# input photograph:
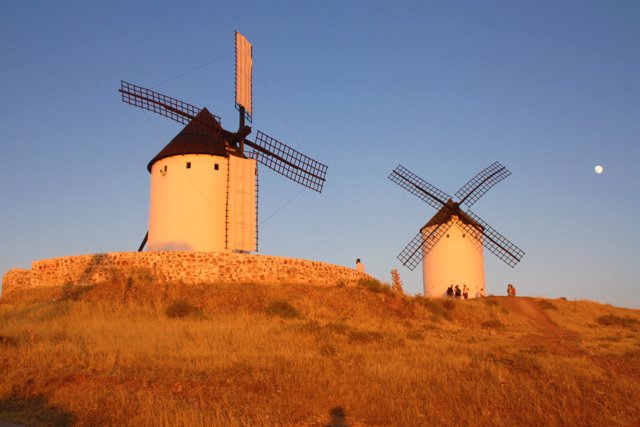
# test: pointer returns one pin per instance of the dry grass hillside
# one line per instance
(143, 354)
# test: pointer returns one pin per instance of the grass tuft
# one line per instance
(491, 301)
(281, 308)
(182, 308)
(439, 308)
(376, 286)
(492, 324)
(71, 292)
(612, 320)
(546, 304)
(8, 341)
(415, 335)
(364, 336)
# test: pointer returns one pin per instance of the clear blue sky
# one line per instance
(548, 88)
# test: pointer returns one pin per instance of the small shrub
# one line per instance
(440, 309)
(328, 350)
(546, 305)
(364, 336)
(338, 328)
(312, 327)
(67, 291)
(415, 335)
(375, 286)
(71, 292)
(142, 276)
(54, 310)
(491, 301)
(282, 309)
(435, 319)
(182, 308)
(448, 304)
(611, 320)
(8, 341)
(492, 324)
(526, 362)
(397, 282)
(633, 355)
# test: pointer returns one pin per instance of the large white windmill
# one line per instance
(450, 243)
(204, 188)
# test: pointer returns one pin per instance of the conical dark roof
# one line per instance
(444, 215)
(200, 136)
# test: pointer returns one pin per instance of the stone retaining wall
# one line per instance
(181, 267)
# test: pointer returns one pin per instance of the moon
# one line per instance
(599, 169)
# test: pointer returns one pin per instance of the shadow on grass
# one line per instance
(33, 411)
(338, 417)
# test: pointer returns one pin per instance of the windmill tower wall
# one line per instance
(456, 259)
(201, 202)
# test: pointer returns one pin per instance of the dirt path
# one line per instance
(549, 335)
(558, 340)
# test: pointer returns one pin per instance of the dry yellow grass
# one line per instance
(168, 355)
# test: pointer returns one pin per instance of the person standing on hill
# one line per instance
(458, 292)
(465, 292)
(359, 266)
(450, 291)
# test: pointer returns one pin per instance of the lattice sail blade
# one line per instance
(289, 162)
(475, 234)
(481, 183)
(158, 103)
(412, 254)
(433, 235)
(497, 243)
(418, 187)
(421, 244)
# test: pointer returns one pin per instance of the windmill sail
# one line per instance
(244, 70)
(422, 242)
(158, 103)
(272, 153)
(289, 162)
(413, 253)
(481, 183)
(418, 187)
(497, 243)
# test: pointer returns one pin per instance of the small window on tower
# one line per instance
(188, 165)
(216, 166)
(463, 235)
(447, 236)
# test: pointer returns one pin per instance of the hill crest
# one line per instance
(291, 354)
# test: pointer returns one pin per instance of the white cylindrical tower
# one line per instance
(203, 194)
(455, 259)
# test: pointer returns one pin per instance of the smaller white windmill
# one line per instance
(451, 242)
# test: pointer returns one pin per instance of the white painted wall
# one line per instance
(187, 207)
(242, 204)
(456, 259)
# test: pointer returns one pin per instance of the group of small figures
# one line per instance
(511, 290)
(456, 292)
